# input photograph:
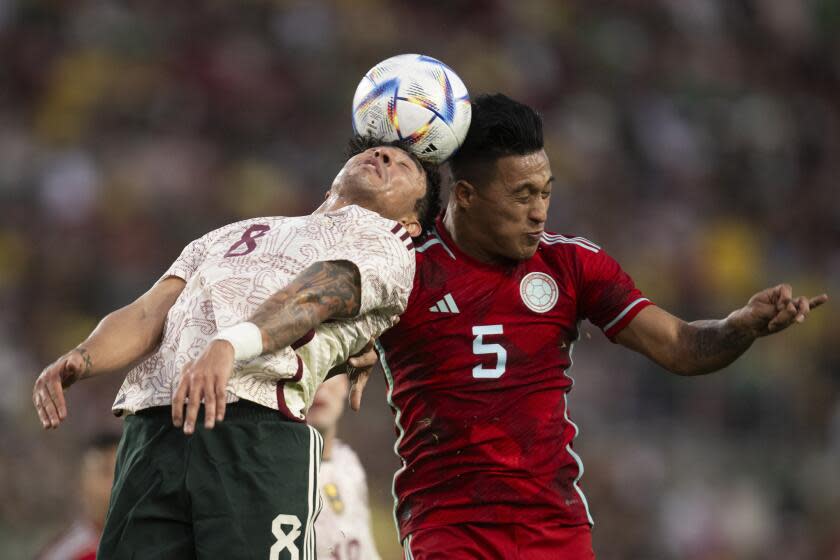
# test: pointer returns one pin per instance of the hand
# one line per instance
(359, 367)
(775, 309)
(48, 393)
(206, 378)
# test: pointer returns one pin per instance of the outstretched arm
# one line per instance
(705, 346)
(121, 339)
(323, 291)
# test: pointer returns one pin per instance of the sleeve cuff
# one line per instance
(623, 319)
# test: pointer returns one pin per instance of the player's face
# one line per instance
(328, 404)
(508, 213)
(386, 180)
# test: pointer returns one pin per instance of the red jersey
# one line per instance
(476, 372)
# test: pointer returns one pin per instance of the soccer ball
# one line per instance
(417, 99)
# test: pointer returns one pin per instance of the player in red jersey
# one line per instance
(476, 368)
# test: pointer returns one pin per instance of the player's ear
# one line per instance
(464, 193)
(412, 226)
(327, 194)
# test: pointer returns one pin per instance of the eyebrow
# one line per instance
(529, 184)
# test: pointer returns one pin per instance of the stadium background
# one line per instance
(697, 141)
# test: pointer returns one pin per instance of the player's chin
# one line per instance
(529, 246)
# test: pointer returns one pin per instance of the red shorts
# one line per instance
(481, 541)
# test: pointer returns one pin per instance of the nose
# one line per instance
(538, 211)
(382, 153)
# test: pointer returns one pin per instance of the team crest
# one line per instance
(539, 291)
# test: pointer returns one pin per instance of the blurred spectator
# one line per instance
(697, 141)
(80, 540)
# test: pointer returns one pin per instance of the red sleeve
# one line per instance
(608, 296)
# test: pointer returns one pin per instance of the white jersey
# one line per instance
(78, 542)
(231, 271)
(342, 530)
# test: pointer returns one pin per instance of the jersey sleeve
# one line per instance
(385, 259)
(608, 296)
(189, 260)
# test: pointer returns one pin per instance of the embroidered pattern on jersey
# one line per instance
(231, 271)
(538, 291)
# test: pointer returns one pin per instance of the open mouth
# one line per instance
(374, 163)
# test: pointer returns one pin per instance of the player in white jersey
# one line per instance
(243, 327)
(343, 527)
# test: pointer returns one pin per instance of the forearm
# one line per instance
(709, 345)
(130, 333)
(323, 291)
(121, 339)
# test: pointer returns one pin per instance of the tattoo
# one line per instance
(325, 290)
(716, 344)
(88, 361)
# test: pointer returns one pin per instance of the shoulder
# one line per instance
(240, 227)
(366, 224)
(355, 215)
(432, 246)
(557, 243)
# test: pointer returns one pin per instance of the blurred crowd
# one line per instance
(698, 141)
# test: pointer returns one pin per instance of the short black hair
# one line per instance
(427, 207)
(499, 127)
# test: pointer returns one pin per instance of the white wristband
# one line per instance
(245, 338)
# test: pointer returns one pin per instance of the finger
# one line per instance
(803, 306)
(196, 392)
(366, 360)
(782, 320)
(818, 300)
(210, 406)
(783, 295)
(179, 396)
(42, 414)
(368, 356)
(57, 395)
(50, 409)
(356, 390)
(221, 402)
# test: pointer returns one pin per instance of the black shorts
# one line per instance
(248, 488)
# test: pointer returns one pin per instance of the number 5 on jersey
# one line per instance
(479, 347)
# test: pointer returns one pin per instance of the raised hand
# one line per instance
(775, 309)
(48, 392)
(359, 367)
(204, 379)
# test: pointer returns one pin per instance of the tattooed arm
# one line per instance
(323, 291)
(120, 340)
(706, 346)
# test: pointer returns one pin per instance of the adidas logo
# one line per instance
(445, 305)
(429, 149)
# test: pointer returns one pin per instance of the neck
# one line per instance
(334, 202)
(466, 237)
(329, 437)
